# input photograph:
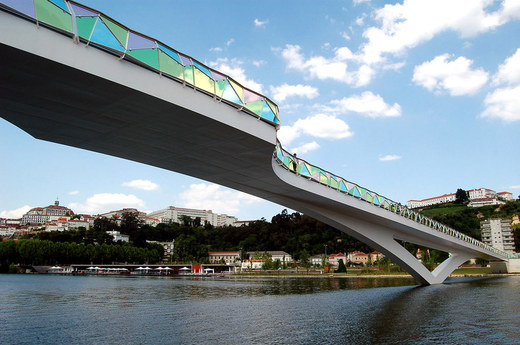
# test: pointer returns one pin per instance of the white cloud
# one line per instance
(216, 49)
(319, 126)
(304, 148)
(389, 158)
(280, 93)
(335, 68)
(345, 36)
(412, 22)
(509, 71)
(515, 187)
(260, 23)
(15, 214)
(367, 104)
(356, 2)
(105, 202)
(230, 42)
(74, 192)
(216, 198)
(141, 184)
(503, 103)
(455, 76)
(259, 63)
(233, 69)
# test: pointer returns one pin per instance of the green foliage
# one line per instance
(44, 252)
(341, 267)
(461, 196)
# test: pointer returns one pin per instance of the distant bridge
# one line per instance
(74, 76)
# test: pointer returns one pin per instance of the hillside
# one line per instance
(466, 219)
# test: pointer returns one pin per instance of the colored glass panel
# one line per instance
(170, 66)
(239, 90)
(250, 96)
(376, 200)
(333, 183)
(22, 6)
(342, 186)
(217, 76)
(117, 30)
(268, 114)
(51, 14)
(170, 52)
(80, 11)
(256, 107)
(61, 4)
(149, 57)
(202, 68)
(273, 107)
(85, 26)
(302, 170)
(355, 192)
(220, 87)
(185, 60)
(103, 36)
(230, 94)
(324, 179)
(188, 74)
(136, 41)
(202, 81)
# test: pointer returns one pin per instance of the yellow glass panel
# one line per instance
(202, 81)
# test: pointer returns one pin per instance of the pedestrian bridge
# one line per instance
(74, 76)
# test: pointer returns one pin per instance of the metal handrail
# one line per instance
(94, 28)
(314, 173)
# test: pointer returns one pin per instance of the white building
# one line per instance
(41, 215)
(498, 234)
(230, 258)
(275, 255)
(479, 197)
(175, 214)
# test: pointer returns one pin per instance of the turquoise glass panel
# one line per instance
(342, 186)
(230, 95)
(103, 36)
(61, 4)
(203, 68)
(170, 52)
(268, 114)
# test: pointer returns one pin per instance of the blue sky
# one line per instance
(410, 99)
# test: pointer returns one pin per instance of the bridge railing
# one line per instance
(313, 173)
(91, 27)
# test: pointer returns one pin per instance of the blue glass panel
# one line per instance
(342, 186)
(23, 6)
(82, 12)
(267, 113)
(170, 52)
(230, 95)
(103, 36)
(61, 4)
(304, 171)
(203, 68)
(136, 41)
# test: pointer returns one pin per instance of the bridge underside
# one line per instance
(83, 97)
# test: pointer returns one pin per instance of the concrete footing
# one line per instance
(510, 266)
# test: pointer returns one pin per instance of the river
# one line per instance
(52, 309)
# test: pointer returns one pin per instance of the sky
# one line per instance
(411, 99)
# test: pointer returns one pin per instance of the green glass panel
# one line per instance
(314, 170)
(220, 87)
(170, 66)
(85, 26)
(188, 74)
(147, 56)
(202, 81)
(370, 198)
(117, 30)
(238, 89)
(256, 107)
(333, 183)
(51, 14)
(324, 179)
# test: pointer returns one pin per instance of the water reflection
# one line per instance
(86, 310)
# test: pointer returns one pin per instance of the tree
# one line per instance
(461, 196)
(304, 260)
(341, 267)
